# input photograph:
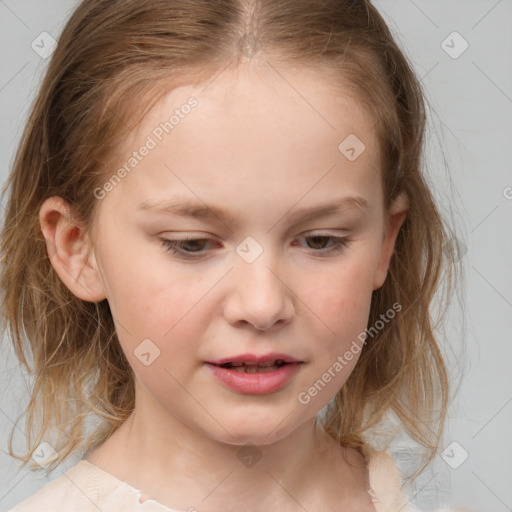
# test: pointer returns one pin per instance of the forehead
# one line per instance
(265, 89)
(258, 128)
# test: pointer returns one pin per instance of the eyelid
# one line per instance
(306, 234)
(340, 243)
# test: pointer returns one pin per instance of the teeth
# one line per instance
(255, 368)
(269, 363)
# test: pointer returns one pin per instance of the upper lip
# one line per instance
(255, 359)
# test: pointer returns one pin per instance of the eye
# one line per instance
(194, 247)
(338, 244)
(176, 245)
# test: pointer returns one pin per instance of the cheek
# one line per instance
(160, 331)
(165, 310)
(340, 297)
(147, 288)
(341, 303)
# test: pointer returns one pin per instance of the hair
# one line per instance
(114, 61)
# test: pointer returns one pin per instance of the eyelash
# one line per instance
(172, 245)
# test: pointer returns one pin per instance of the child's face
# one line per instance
(261, 146)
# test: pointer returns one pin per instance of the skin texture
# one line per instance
(258, 148)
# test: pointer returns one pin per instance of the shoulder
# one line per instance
(80, 488)
(87, 488)
(62, 491)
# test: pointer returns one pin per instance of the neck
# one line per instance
(181, 468)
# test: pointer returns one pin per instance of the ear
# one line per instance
(69, 250)
(397, 214)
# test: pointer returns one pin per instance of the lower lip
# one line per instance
(255, 383)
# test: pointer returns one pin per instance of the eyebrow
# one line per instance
(188, 208)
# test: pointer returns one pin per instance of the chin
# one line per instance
(254, 430)
(256, 438)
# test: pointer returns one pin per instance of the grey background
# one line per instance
(469, 154)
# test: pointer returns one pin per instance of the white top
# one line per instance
(86, 487)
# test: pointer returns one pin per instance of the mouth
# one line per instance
(253, 375)
(252, 363)
(267, 366)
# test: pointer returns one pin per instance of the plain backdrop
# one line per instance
(462, 50)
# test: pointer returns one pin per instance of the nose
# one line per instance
(258, 296)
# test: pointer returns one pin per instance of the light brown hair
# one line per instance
(115, 59)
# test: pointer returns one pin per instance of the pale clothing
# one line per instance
(86, 487)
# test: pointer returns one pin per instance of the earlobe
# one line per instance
(397, 215)
(69, 250)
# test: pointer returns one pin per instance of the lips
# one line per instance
(251, 374)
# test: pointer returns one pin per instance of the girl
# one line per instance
(229, 256)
